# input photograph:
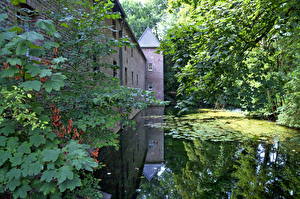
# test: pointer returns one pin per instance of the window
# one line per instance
(126, 80)
(137, 79)
(96, 68)
(114, 26)
(150, 87)
(150, 67)
(114, 69)
(26, 17)
(132, 78)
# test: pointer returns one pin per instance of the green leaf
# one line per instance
(2, 140)
(31, 166)
(48, 188)
(31, 169)
(36, 168)
(22, 191)
(16, 159)
(6, 36)
(11, 185)
(14, 61)
(59, 60)
(36, 52)
(16, 29)
(57, 195)
(32, 85)
(70, 184)
(46, 25)
(4, 156)
(22, 48)
(33, 69)
(38, 195)
(25, 148)
(37, 140)
(32, 36)
(50, 155)
(65, 173)
(17, 2)
(45, 73)
(10, 72)
(12, 143)
(64, 25)
(55, 83)
(8, 128)
(5, 51)
(13, 174)
(3, 178)
(50, 45)
(49, 175)
(3, 17)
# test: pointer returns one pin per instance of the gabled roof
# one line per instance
(149, 40)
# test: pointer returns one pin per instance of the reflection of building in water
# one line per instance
(121, 175)
(155, 137)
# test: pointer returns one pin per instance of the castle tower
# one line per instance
(155, 63)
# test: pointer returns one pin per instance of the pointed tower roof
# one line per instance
(150, 170)
(149, 40)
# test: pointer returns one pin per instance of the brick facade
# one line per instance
(155, 66)
(131, 60)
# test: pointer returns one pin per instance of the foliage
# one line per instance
(142, 15)
(41, 163)
(290, 112)
(234, 53)
(58, 106)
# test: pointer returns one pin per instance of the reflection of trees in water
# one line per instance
(161, 187)
(267, 171)
(207, 173)
(236, 170)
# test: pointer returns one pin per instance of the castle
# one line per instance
(139, 66)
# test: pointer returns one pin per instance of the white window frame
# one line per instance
(150, 87)
(150, 66)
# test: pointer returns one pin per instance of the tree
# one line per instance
(57, 107)
(142, 15)
(232, 53)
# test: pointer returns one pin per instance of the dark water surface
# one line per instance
(209, 155)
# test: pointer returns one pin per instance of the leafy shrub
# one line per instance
(290, 111)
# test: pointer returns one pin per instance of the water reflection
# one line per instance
(155, 137)
(141, 152)
(204, 169)
(196, 167)
(214, 157)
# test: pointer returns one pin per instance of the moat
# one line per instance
(209, 154)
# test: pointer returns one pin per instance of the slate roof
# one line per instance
(149, 40)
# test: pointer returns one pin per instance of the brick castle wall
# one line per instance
(155, 77)
(134, 62)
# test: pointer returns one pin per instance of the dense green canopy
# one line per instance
(242, 53)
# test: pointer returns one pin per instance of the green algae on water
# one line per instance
(222, 125)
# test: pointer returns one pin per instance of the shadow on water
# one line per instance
(150, 165)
